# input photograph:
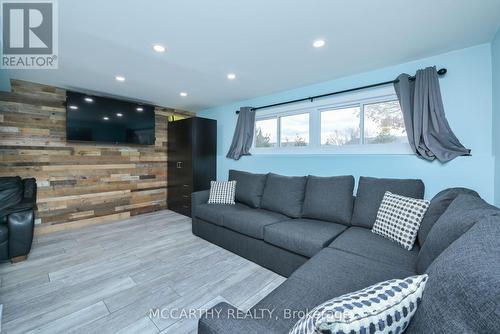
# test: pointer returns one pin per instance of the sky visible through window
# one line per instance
(340, 126)
(382, 123)
(295, 130)
(266, 132)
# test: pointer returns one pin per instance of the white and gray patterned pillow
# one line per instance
(385, 307)
(399, 218)
(222, 192)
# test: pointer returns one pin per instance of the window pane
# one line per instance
(294, 130)
(340, 126)
(384, 123)
(265, 132)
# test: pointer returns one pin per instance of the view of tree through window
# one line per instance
(384, 123)
(354, 125)
(340, 126)
(294, 130)
(266, 132)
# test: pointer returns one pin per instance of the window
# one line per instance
(360, 123)
(384, 123)
(266, 133)
(294, 130)
(340, 126)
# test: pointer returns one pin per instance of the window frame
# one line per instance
(314, 109)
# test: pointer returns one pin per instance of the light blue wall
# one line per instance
(467, 95)
(496, 112)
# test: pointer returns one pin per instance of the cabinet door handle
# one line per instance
(179, 164)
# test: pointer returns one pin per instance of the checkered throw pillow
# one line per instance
(222, 192)
(399, 218)
(384, 308)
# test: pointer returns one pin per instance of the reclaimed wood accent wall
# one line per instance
(79, 184)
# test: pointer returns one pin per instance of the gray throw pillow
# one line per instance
(371, 192)
(249, 187)
(438, 206)
(284, 194)
(461, 215)
(329, 198)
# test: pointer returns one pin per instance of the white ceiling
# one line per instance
(267, 43)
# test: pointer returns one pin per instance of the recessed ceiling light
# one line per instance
(89, 99)
(139, 109)
(105, 118)
(73, 107)
(120, 78)
(183, 94)
(119, 114)
(231, 76)
(159, 48)
(319, 43)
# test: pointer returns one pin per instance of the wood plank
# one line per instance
(44, 229)
(78, 180)
(107, 278)
(73, 320)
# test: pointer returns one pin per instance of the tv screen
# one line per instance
(106, 120)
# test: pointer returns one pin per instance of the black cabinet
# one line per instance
(192, 150)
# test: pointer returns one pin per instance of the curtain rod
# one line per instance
(441, 72)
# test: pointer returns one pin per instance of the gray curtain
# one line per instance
(243, 134)
(429, 133)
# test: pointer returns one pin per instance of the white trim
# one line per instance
(379, 149)
(314, 109)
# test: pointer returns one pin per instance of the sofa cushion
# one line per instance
(329, 198)
(302, 236)
(225, 318)
(284, 194)
(399, 218)
(387, 306)
(460, 216)
(214, 213)
(437, 207)
(251, 222)
(361, 241)
(337, 272)
(330, 273)
(222, 192)
(462, 294)
(371, 191)
(293, 295)
(249, 187)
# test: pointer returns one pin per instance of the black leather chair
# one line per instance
(17, 218)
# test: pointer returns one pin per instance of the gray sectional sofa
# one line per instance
(313, 231)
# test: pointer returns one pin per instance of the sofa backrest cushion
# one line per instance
(11, 192)
(284, 194)
(461, 215)
(438, 206)
(371, 192)
(329, 198)
(462, 293)
(249, 187)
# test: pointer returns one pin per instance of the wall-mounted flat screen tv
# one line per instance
(106, 120)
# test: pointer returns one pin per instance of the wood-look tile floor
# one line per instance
(107, 278)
